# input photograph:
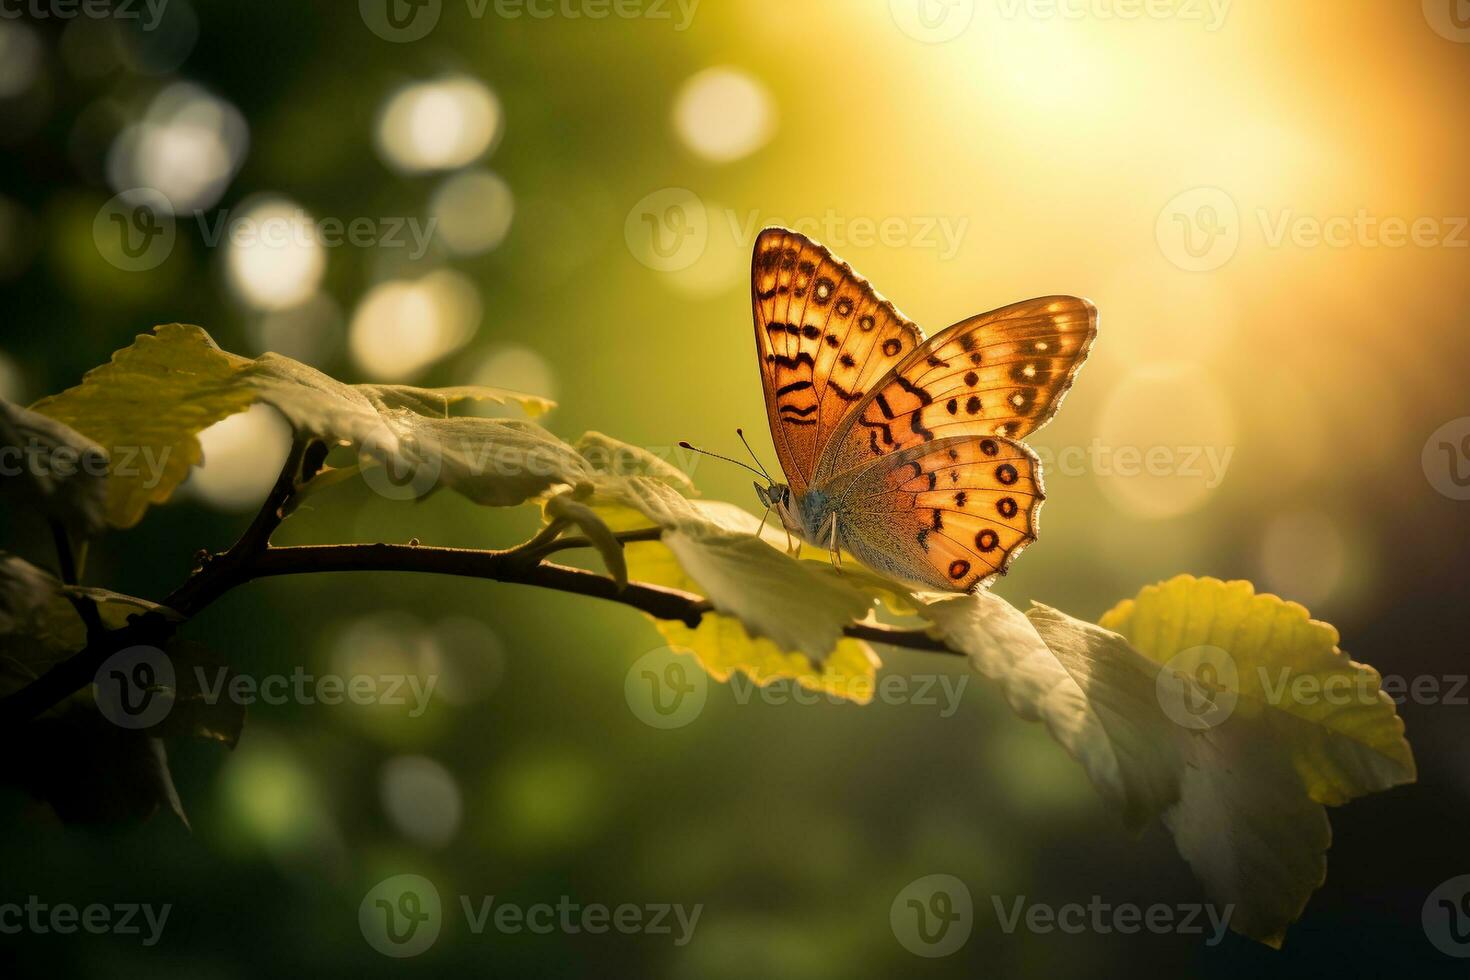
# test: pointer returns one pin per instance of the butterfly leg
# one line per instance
(764, 518)
(832, 549)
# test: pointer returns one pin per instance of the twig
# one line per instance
(626, 537)
(218, 574)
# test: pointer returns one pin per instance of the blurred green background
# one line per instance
(585, 190)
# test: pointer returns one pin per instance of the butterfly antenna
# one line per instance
(741, 434)
(706, 452)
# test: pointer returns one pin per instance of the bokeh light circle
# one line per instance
(274, 257)
(723, 114)
(472, 211)
(438, 125)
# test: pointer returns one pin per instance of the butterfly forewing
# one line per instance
(824, 338)
(1001, 373)
(949, 514)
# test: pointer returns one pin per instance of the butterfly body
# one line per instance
(803, 515)
(899, 450)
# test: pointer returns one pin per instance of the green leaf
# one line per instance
(436, 401)
(718, 556)
(1003, 645)
(87, 768)
(611, 457)
(58, 472)
(24, 589)
(565, 507)
(799, 605)
(320, 405)
(145, 408)
(91, 771)
(53, 631)
(148, 405)
(1238, 774)
(1352, 742)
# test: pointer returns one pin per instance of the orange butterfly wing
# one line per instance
(824, 338)
(946, 515)
(1001, 373)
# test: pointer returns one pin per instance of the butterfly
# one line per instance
(903, 451)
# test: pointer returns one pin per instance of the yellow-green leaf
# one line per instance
(613, 457)
(1353, 742)
(721, 643)
(148, 405)
(145, 408)
(1187, 714)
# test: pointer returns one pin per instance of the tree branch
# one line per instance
(215, 576)
(252, 557)
(505, 566)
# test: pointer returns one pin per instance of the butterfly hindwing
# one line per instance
(1001, 373)
(947, 515)
(824, 338)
